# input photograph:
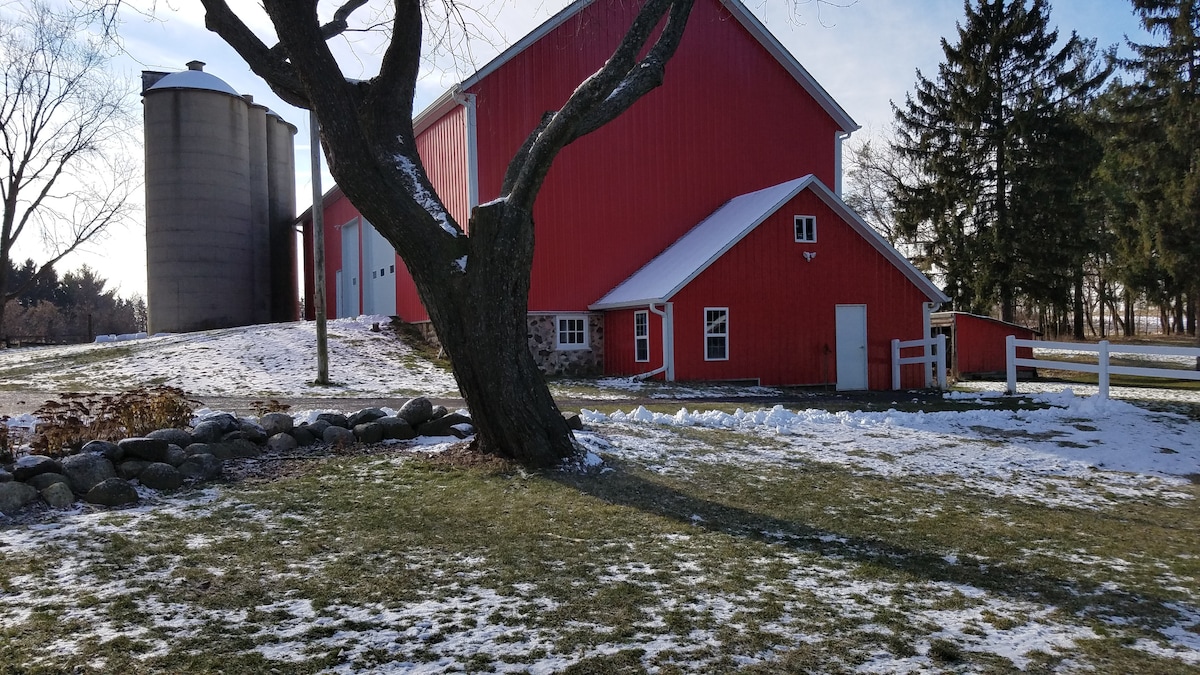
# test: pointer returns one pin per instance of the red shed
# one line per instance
(975, 344)
(736, 114)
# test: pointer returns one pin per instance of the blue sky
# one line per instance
(865, 53)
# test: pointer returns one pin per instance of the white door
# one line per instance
(349, 296)
(379, 273)
(851, 326)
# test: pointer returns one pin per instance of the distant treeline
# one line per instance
(73, 308)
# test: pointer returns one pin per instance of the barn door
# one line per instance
(851, 326)
(379, 273)
(348, 298)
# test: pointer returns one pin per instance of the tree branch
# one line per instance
(268, 63)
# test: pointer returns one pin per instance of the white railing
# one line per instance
(1102, 367)
(936, 358)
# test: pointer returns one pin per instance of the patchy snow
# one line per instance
(269, 360)
(424, 197)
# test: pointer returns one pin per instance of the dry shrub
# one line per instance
(65, 425)
(261, 408)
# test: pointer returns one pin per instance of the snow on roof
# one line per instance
(682, 261)
(744, 16)
(692, 253)
(194, 79)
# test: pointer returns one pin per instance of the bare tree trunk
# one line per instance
(1130, 328)
(1077, 307)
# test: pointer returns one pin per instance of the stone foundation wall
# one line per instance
(543, 339)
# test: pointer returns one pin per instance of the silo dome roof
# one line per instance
(194, 79)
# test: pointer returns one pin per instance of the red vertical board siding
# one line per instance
(619, 351)
(728, 120)
(782, 308)
(338, 213)
(443, 150)
(980, 344)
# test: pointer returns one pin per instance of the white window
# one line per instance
(641, 336)
(572, 331)
(806, 228)
(716, 333)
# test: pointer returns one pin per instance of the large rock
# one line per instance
(112, 492)
(281, 442)
(106, 448)
(5, 476)
(149, 449)
(44, 480)
(15, 496)
(161, 476)
(201, 467)
(371, 432)
(31, 465)
(445, 426)
(574, 421)
(303, 435)
(317, 428)
(276, 423)
(180, 437)
(415, 411)
(253, 431)
(208, 431)
(438, 411)
(225, 421)
(365, 416)
(234, 449)
(396, 428)
(131, 468)
(334, 419)
(58, 495)
(86, 471)
(338, 436)
(175, 455)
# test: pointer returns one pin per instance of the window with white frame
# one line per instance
(572, 331)
(641, 336)
(806, 228)
(716, 333)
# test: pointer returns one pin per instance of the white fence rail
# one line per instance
(935, 358)
(1102, 367)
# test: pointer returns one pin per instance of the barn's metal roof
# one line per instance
(691, 254)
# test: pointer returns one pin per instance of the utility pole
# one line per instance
(318, 217)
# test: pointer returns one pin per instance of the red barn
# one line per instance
(975, 344)
(670, 183)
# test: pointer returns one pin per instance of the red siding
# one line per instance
(728, 120)
(979, 344)
(619, 344)
(443, 150)
(781, 308)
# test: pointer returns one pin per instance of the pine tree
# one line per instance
(1160, 163)
(990, 137)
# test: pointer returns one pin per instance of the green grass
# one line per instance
(805, 567)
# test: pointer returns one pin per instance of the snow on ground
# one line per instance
(1037, 455)
(268, 360)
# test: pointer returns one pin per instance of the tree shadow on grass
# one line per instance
(629, 487)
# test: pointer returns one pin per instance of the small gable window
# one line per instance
(806, 228)
(641, 336)
(572, 331)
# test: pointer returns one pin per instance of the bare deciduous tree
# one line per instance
(475, 288)
(62, 119)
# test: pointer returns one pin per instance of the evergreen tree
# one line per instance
(992, 137)
(1160, 158)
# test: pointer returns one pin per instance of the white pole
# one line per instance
(318, 217)
(1103, 375)
(1010, 359)
(895, 364)
(941, 361)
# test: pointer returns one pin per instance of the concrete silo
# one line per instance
(208, 204)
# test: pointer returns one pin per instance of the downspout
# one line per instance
(838, 138)
(668, 365)
(471, 129)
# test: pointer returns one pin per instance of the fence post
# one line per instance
(941, 361)
(895, 364)
(1010, 359)
(1103, 375)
